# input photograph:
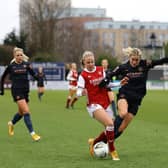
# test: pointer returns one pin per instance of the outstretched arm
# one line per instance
(109, 75)
(3, 79)
(120, 83)
(153, 63)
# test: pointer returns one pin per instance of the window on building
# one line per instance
(110, 26)
(112, 39)
(132, 27)
(125, 40)
(123, 26)
(142, 27)
(151, 27)
(105, 35)
(161, 39)
(125, 44)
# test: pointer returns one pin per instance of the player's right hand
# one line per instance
(124, 81)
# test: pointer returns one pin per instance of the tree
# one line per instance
(6, 54)
(112, 61)
(15, 40)
(39, 21)
(71, 39)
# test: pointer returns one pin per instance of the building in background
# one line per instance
(115, 35)
(88, 12)
(60, 27)
(105, 33)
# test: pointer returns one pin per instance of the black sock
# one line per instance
(16, 118)
(28, 122)
(117, 124)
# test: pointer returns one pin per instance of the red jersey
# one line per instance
(96, 95)
(72, 77)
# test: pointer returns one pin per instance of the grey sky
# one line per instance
(143, 10)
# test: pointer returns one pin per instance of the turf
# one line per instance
(65, 132)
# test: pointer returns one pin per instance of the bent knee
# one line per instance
(123, 113)
(122, 107)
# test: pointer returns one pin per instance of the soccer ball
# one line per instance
(101, 150)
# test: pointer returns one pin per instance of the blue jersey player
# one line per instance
(18, 71)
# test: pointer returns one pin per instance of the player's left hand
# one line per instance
(104, 82)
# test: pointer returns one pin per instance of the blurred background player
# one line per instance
(72, 77)
(105, 65)
(131, 95)
(18, 69)
(40, 83)
(98, 103)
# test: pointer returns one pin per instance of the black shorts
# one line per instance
(19, 94)
(133, 104)
(40, 84)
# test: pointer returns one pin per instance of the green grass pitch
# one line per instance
(64, 134)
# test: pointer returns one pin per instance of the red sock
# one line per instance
(110, 137)
(67, 102)
(101, 137)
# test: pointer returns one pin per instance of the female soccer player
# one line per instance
(98, 105)
(18, 70)
(40, 83)
(111, 94)
(130, 95)
(72, 77)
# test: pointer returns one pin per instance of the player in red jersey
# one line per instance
(98, 103)
(72, 77)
